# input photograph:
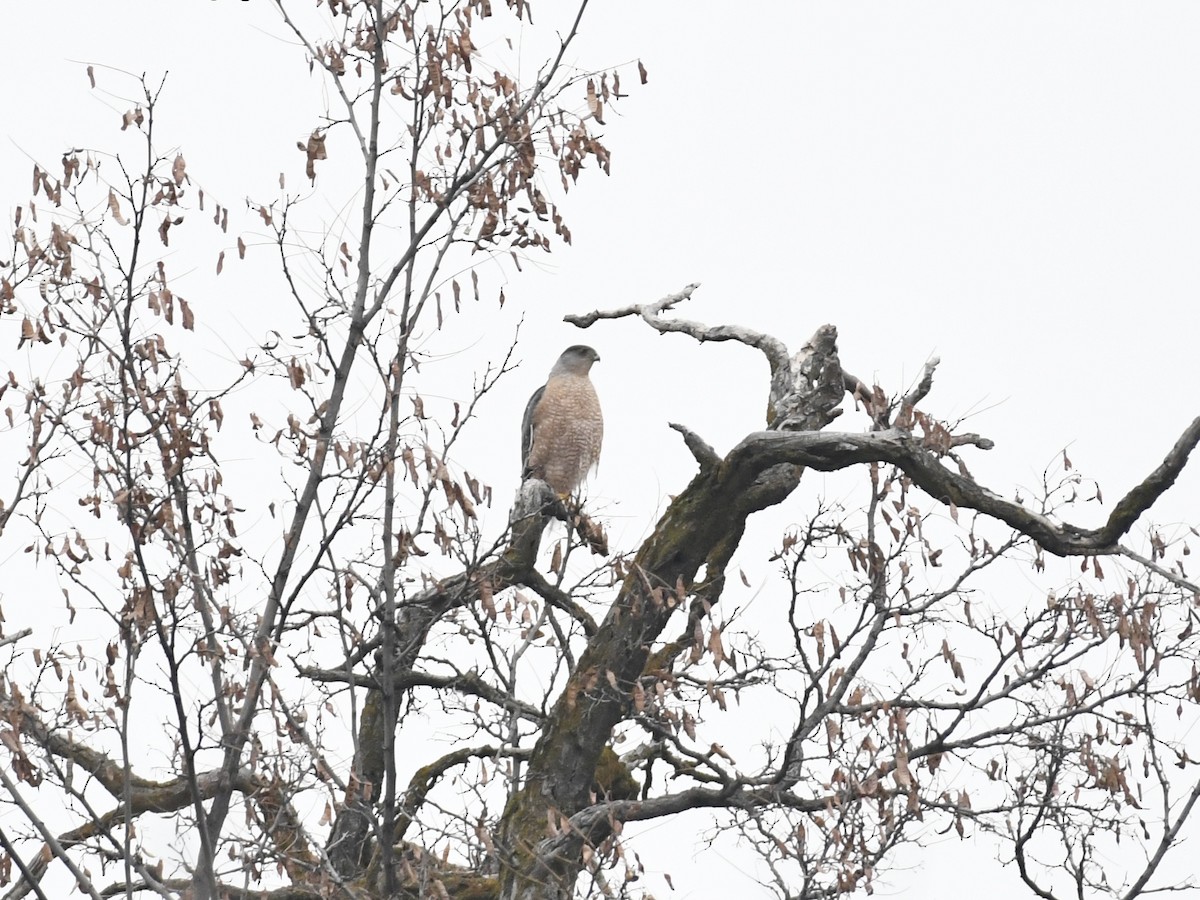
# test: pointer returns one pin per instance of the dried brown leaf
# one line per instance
(715, 647)
(115, 208)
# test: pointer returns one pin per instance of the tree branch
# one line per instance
(829, 451)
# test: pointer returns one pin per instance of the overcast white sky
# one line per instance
(1012, 186)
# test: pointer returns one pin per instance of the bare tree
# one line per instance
(408, 703)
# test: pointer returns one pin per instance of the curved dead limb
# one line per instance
(830, 451)
(424, 779)
(652, 314)
(801, 384)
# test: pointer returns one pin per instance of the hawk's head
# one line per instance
(575, 360)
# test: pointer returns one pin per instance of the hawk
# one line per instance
(563, 427)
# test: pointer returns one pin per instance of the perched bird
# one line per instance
(563, 426)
